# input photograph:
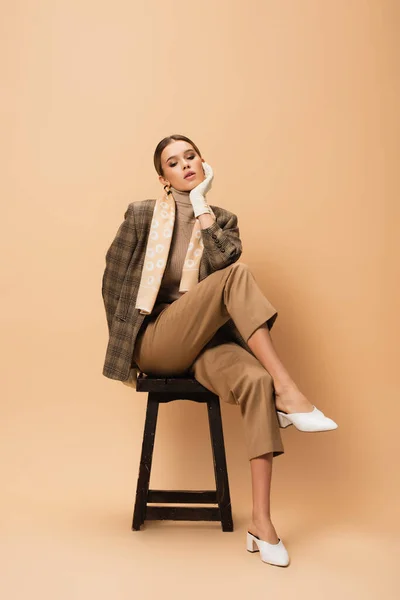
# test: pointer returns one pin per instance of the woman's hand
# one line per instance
(198, 193)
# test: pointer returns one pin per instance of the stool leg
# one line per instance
(220, 466)
(139, 513)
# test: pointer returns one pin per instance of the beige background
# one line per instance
(295, 105)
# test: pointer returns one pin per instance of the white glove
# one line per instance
(197, 194)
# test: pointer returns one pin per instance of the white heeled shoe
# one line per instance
(307, 421)
(274, 554)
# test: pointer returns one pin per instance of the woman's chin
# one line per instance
(189, 185)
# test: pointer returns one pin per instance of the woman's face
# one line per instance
(178, 159)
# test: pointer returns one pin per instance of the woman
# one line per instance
(177, 300)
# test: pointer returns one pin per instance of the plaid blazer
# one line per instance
(122, 274)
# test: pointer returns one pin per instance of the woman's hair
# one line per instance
(168, 140)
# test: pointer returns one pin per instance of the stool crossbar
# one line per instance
(167, 389)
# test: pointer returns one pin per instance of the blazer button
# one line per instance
(222, 249)
(214, 237)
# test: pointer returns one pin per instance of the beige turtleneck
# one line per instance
(183, 227)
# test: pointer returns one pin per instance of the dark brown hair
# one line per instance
(168, 140)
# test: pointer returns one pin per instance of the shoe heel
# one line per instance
(283, 421)
(251, 544)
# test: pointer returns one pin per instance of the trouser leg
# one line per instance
(171, 342)
(237, 377)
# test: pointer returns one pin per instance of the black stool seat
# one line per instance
(167, 389)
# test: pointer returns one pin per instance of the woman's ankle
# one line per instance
(292, 400)
(283, 386)
(261, 520)
(264, 528)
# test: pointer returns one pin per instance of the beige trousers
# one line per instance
(188, 336)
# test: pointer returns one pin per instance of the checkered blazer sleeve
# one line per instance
(221, 240)
(118, 258)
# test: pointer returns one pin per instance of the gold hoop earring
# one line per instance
(168, 191)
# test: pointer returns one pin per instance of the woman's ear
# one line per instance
(163, 181)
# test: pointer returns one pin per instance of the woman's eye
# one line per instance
(190, 158)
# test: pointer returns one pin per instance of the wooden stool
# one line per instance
(162, 389)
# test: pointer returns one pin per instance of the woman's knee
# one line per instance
(238, 266)
(234, 273)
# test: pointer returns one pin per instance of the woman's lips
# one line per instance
(190, 176)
